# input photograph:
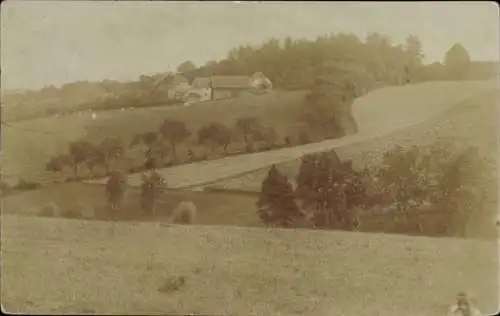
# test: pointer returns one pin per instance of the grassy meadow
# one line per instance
(471, 122)
(27, 145)
(213, 209)
(61, 266)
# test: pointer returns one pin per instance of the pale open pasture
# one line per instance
(62, 266)
(382, 112)
(27, 145)
(459, 123)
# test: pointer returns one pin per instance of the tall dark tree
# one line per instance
(147, 138)
(112, 149)
(307, 178)
(95, 158)
(464, 169)
(415, 55)
(457, 62)
(248, 127)
(401, 176)
(267, 135)
(327, 107)
(276, 205)
(323, 186)
(186, 67)
(213, 135)
(155, 147)
(115, 190)
(56, 164)
(462, 188)
(174, 132)
(152, 187)
(79, 151)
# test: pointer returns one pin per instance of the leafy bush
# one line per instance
(152, 187)
(47, 211)
(214, 135)
(5, 188)
(24, 185)
(305, 137)
(328, 189)
(70, 179)
(185, 213)
(408, 181)
(172, 284)
(115, 190)
(72, 213)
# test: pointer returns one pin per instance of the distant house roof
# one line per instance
(172, 80)
(230, 82)
(259, 78)
(192, 94)
(258, 75)
(201, 82)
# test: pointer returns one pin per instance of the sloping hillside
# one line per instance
(472, 122)
(27, 145)
(68, 266)
(386, 111)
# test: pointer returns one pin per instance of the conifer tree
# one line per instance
(115, 189)
(276, 205)
(152, 187)
(306, 179)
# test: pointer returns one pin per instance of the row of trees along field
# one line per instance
(325, 113)
(152, 188)
(330, 194)
(158, 145)
(440, 180)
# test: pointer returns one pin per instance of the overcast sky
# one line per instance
(55, 42)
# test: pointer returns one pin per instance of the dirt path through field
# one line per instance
(379, 113)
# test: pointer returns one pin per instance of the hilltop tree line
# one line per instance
(294, 63)
(290, 63)
(332, 194)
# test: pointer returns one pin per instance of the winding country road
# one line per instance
(378, 113)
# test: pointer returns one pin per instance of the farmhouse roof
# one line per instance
(172, 80)
(258, 75)
(234, 82)
(201, 82)
(260, 78)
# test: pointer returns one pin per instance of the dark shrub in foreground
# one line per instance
(47, 211)
(24, 185)
(71, 213)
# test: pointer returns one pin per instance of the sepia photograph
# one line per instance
(250, 158)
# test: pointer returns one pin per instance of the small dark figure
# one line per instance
(190, 155)
(463, 307)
